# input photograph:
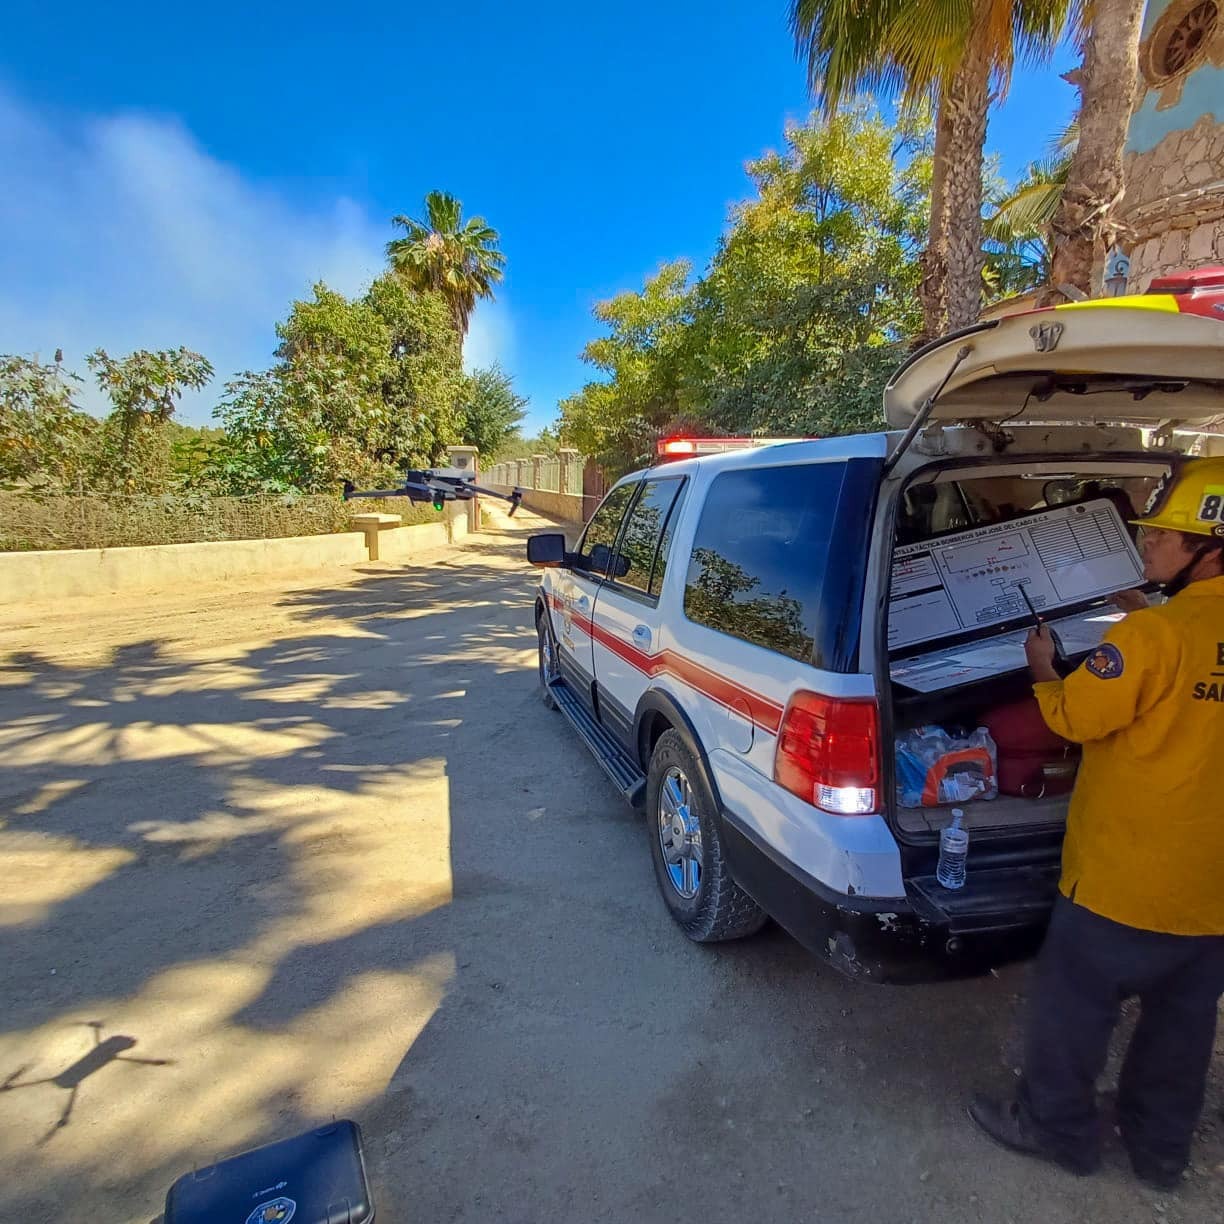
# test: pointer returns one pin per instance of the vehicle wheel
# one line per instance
(546, 660)
(688, 855)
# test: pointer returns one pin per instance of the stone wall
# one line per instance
(1174, 204)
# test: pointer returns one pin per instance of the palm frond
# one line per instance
(845, 46)
(1038, 25)
(444, 253)
(1063, 145)
(1029, 209)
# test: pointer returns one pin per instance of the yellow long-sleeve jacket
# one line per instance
(1145, 834)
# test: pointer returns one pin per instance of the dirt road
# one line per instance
(272, 855)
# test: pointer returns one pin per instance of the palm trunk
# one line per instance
(1083, 224)
(967, 98)
(934, 262)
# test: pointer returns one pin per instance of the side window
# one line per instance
(598, 541)
(660, 565)
(779, 555)
(639, 545)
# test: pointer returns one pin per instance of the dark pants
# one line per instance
(1087, 967)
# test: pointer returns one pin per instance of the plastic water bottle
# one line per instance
(953, 851)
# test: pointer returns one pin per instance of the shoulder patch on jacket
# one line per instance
(1106, 662)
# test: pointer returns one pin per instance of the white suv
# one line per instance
(742, 639)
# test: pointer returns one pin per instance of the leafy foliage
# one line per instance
(144, 389)
(491, 411)
(796, 322)
(45, 439)
(516, 446)
(1017, 239)
(361, 387)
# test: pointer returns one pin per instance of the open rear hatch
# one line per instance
(1155, 361)
(1150, 360)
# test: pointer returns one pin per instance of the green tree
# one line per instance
(645, 358)
(516, 446)
(144, 389)
(45, 439)
(423, 383)
(958, 52)
(796, 323)
(814, 285)
(444, 253)
(362, 386)
(492, 411)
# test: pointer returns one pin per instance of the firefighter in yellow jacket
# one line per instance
(1141, 910)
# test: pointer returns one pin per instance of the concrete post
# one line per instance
(537, 464)
(372, 524)
(567, 455)
(465, 458)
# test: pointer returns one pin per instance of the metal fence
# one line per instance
(548, 473)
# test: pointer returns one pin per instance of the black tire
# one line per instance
(719, 909)
(545, 649)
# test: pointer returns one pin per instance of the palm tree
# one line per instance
(457, 258)
(959, 52)
(1109, 70)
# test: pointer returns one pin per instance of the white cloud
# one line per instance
(120, 231)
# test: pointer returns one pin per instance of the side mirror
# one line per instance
(599, 559)
(546, 549)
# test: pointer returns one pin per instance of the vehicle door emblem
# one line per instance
(1046, 336)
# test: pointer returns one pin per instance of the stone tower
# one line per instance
(1173, 209)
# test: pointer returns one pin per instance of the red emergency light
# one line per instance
(687, 448)
(677, 446)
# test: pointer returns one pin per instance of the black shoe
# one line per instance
(1159, 1173)
(1005, 1124)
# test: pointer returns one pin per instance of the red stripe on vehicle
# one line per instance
(765, 713)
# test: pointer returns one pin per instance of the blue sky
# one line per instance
(176, 174)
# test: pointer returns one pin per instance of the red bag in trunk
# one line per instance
(1032, 760)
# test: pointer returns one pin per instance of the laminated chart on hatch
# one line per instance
(969, 580)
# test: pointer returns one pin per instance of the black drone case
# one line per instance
(315, 1178)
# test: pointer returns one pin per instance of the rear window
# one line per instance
(779, 556)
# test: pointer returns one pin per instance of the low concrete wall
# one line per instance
(404, 543)
(68, 573)
(568, 507)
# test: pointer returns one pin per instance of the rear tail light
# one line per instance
(829, 753)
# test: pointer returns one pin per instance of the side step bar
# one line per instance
(617, 763)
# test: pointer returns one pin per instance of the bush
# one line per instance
(31, 521)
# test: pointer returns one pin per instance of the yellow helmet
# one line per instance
(1193, 502)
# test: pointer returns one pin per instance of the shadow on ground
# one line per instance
(335, 857)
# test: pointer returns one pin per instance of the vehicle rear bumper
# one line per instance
(928, 935)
